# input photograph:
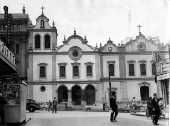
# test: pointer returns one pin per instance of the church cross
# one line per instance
(139, 26)
(42, 8)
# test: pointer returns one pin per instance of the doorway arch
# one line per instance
(144, 93)
(76, 95)
(89, 94)
(62, 94)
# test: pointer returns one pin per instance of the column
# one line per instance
(54, 91)
(53, 67)
(83, 102)
(69, 98)
(123, 83)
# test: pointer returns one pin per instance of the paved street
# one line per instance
(76, 118)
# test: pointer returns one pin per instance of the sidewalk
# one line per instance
(139, 113)
(17, 124)
(144, 114)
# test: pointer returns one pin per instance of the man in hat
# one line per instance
(54, 104)
(114, 107)
(155, 109)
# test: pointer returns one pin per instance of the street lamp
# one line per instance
(109, 86)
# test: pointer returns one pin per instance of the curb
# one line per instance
(137, 114)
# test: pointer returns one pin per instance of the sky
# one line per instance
(100, 20)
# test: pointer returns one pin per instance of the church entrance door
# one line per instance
(89, 95)
(76, 95)
(144, 92)
(62, 94)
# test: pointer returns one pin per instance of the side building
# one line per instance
(163, 73)
(14, 33)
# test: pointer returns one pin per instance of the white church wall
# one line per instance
(137, 58)
(133, 88)
(37, 59)
(105, 65)
(40, 96)
(82, 68)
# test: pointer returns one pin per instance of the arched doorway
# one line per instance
(62, 94)
(89, 94)
(144, 93)
(76, 95)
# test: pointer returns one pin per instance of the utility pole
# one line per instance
(109, 86)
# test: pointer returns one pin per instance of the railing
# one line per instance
(14, 28)
(7, 53)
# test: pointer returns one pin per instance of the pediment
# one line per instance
(141, 43)
(42, 19)
(75, 41)
(109, 47)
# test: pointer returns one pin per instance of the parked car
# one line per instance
(32, 105)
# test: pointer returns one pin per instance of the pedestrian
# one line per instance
(134, 105)
(3, 101)
(114, 107)
(54, 104)
(155, 109)
(149, 107)
(161, 106)
(49, 105)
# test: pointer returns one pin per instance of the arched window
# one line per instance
(42, 24)
(37, 42)
(47, 41)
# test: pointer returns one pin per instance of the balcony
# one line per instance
(7, 59)
(13, 29)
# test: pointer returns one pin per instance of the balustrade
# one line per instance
(7, 53)
(13, 28)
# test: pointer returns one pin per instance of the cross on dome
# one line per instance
(74, 31)
(42, 8)
(139, 26)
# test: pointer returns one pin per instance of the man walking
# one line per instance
(49, 105)
(149, 107)
(54, 104)
(114, 107)
(155, 109)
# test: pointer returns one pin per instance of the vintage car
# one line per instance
(32, 105)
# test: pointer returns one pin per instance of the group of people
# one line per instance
(52, 106)
(154, 108)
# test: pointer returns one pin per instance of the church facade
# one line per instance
(77, 73)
